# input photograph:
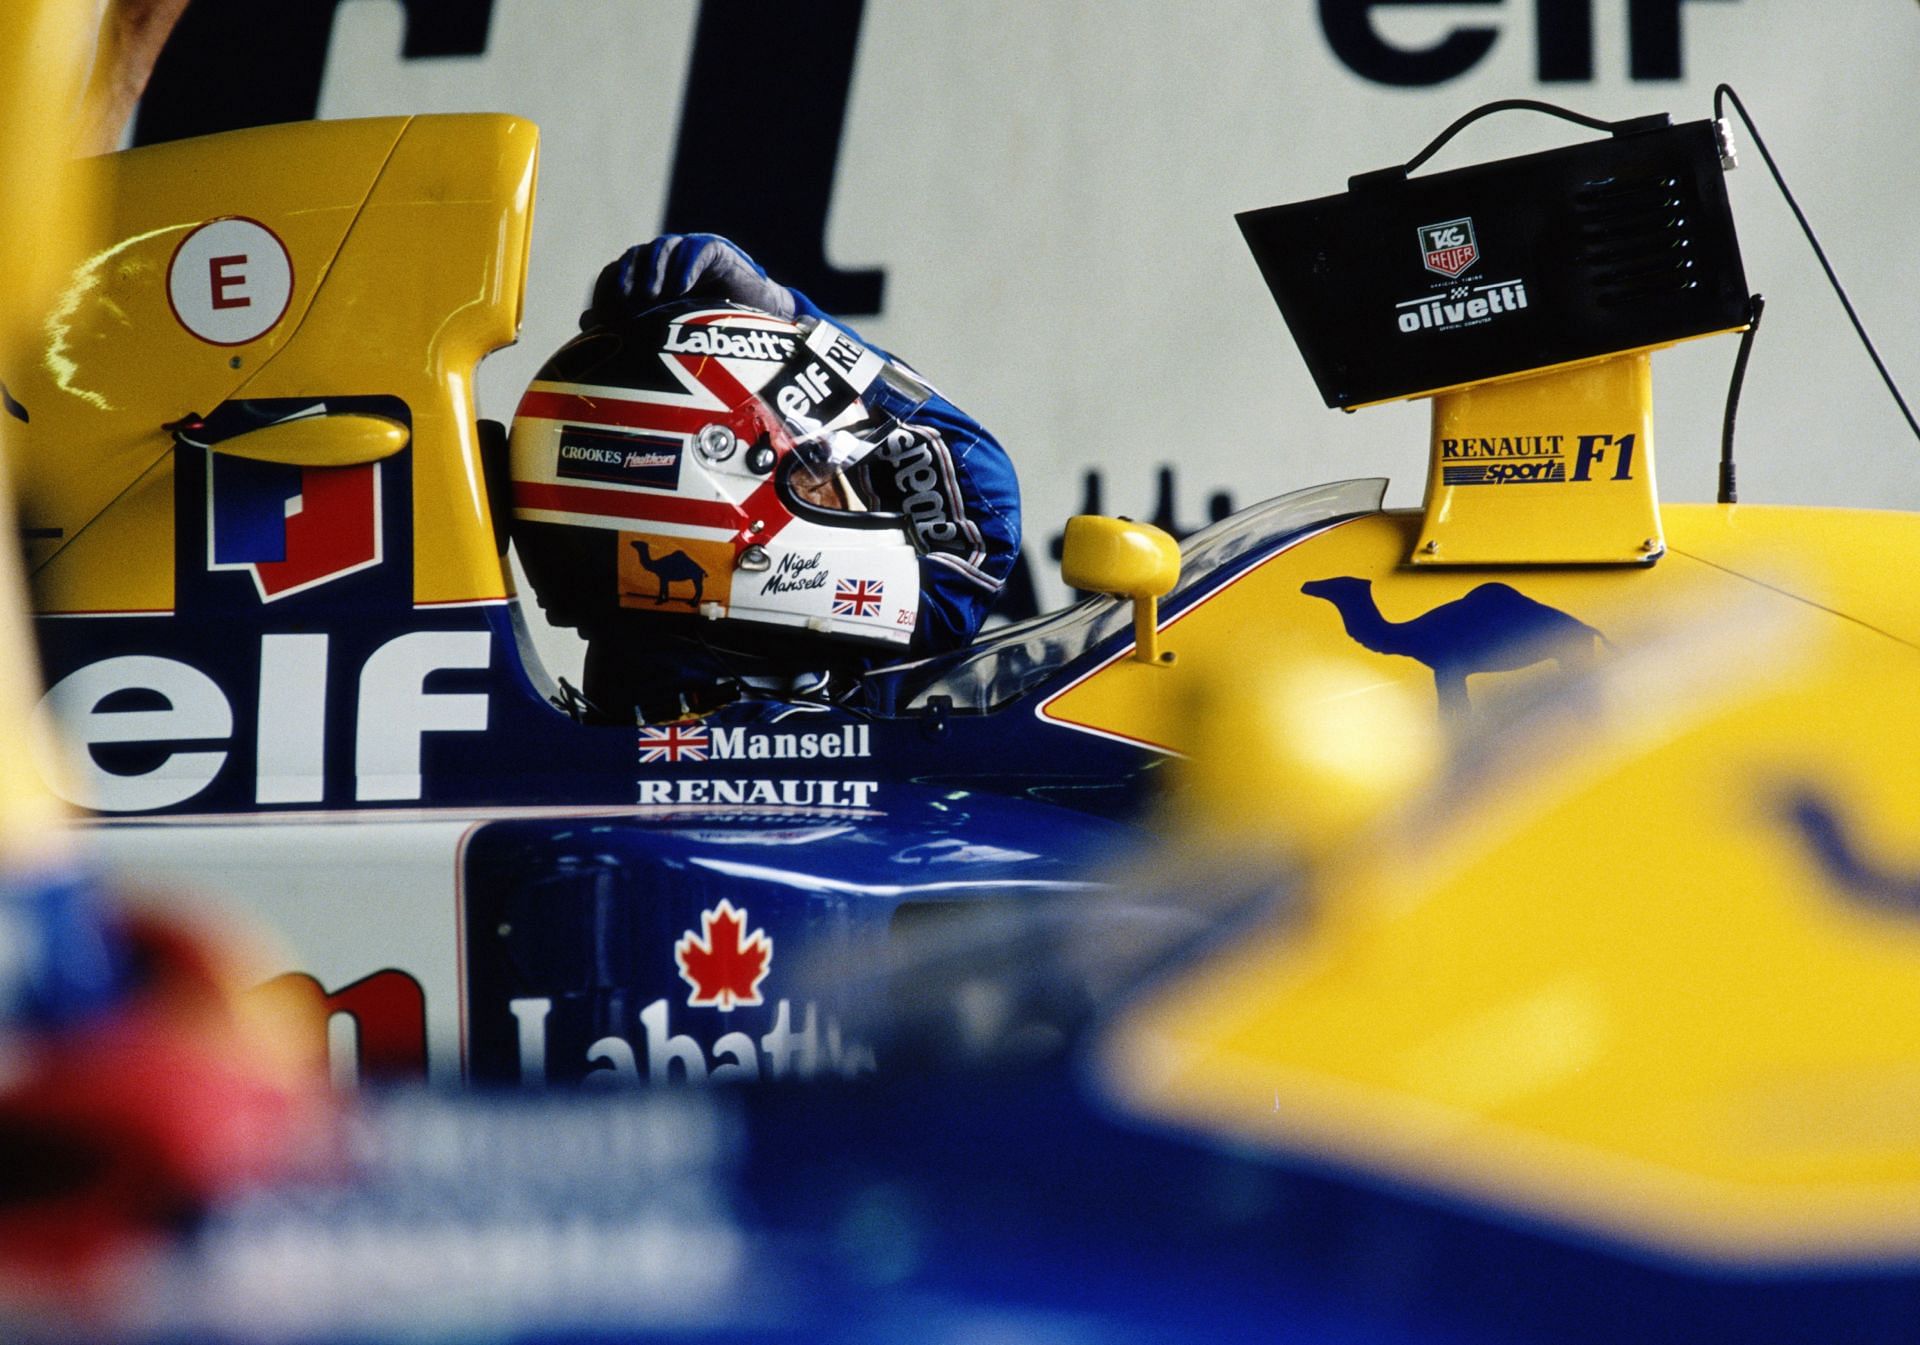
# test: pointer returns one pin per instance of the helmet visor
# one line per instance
(836, 399)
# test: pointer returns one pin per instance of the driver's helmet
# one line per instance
(699, 463)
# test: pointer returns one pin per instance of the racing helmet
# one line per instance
(700, 463)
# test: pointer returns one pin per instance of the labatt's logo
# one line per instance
(724, 967)
(740, 343)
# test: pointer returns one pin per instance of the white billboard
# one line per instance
(1034, 202)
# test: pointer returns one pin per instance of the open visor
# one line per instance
(835, 399)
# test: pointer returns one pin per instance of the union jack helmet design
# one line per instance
(703, 461)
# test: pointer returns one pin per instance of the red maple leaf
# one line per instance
(724, 969)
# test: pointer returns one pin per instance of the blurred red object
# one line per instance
(117, 1128)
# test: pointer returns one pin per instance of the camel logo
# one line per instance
(596, 454)
(1835, 847)
(673, 572)
(1494, 628)
(1449, 248)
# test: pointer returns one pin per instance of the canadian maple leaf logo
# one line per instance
(723, 963)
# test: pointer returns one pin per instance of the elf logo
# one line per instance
(292, 528)
(1449, 248)
(186, 723)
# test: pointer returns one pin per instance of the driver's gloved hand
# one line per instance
(673, 266)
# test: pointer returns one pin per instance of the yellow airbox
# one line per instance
(322, 259)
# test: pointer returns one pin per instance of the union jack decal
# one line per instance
(672, 744)
(857, 597)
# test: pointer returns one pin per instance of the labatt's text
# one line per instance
(747, 343)
(784, 1051)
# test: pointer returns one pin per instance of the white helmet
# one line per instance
(691, 465)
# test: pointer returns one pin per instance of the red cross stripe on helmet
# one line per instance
(673, 744)
(748, 421)
(764, 506)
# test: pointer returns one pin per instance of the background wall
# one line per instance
(1034, 201)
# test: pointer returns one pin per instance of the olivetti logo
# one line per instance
(1449, 248)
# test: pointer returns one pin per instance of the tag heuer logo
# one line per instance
(1449, 248)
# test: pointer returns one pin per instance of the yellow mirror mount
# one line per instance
(1124, 559)
(342, 439)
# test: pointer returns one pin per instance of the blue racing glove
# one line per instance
(673, 266)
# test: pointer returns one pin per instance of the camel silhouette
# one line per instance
(673, 568)
(1495, 628)
(1835, 846)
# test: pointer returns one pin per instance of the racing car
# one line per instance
(266, 532)
(1599, 1033)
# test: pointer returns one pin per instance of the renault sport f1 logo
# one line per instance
(294, 528)
(1449, 248)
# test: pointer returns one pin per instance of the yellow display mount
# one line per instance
(1553, 466)
(1548, 468)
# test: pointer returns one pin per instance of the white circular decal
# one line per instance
(230, 281)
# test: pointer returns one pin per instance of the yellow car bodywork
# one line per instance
(1643, 960)
(406, 239)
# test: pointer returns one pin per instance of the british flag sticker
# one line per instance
(857, 597)
(672, 743)
(1449, 247)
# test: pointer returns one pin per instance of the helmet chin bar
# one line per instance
(858, 583)
(801, 507)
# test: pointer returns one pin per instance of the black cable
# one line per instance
(1756, 305)
(1506, 105)
(1725, 92)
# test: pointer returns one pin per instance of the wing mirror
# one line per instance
(333, 440)
(1127, 560)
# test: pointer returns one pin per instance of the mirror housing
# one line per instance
(1125, 559)
(343, 439)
